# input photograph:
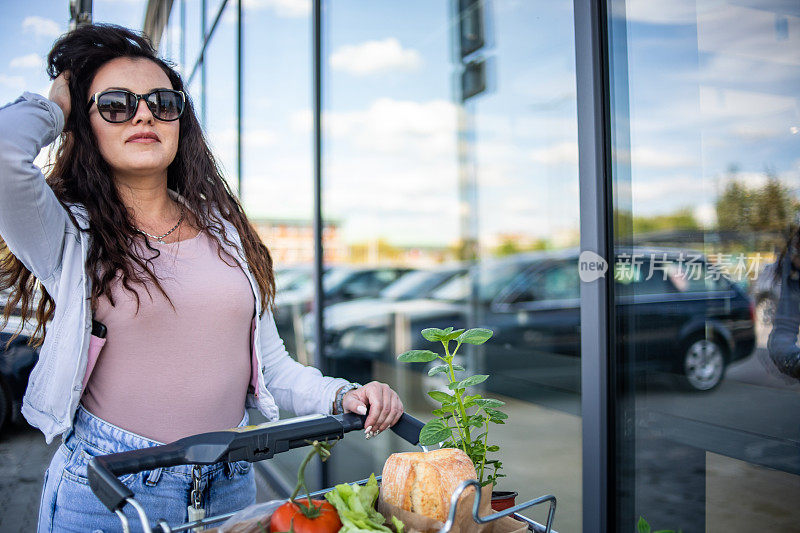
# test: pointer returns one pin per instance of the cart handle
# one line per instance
(249, 443)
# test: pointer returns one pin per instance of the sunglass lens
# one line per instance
(166, 105)
(116, 106)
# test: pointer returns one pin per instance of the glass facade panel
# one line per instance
(277, 171)
(705, 180)
(221, 82)
(450, 186)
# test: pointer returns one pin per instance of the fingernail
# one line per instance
(361, 410)
(367, 429)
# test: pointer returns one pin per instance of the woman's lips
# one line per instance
(146, 140)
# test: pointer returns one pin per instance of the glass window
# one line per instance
(435, 153)
(220, 124)
(277, 172)
(706, 133)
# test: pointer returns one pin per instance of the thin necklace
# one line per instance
(161, 238)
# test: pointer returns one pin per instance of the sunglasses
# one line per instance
(120, 105)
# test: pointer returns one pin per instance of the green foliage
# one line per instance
(769, 207)
(643, 527)
(460, 412)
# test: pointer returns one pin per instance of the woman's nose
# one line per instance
(143, 113)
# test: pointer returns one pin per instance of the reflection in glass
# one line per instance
(440, 149)
(705, 184)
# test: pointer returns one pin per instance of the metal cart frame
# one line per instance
(256, 443)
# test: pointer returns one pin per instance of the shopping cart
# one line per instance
(256, 443)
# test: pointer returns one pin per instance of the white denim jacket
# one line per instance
(39, 232)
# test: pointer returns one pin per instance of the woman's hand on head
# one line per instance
(59, 93)
(383, 405)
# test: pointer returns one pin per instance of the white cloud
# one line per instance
(679, 188)
(27, 61)
(282, 8)
(375, 56)
(388, 126)
(42, 26)
(14, 82)
(664, 157)
(672, 12)
(565, 152)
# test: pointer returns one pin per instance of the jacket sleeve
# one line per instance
(782, 344)
(32, 220)
(295, 387)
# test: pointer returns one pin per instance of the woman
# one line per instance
(135, 201)
(782, 344)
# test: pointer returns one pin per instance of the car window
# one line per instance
(641, 277)
(408, 285)
(702, 278)
(560, 283)
(492, 279)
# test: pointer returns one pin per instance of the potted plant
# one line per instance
(463, 420)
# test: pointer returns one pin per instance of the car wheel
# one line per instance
(765, 311)
(5, 405)
(703, 364)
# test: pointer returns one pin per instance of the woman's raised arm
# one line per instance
(32, 220)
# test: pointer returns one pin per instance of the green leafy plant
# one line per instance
(463, 419)
(644, 527)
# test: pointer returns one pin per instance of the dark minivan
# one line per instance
(688, 319)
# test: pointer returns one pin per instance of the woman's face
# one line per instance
(132, 159)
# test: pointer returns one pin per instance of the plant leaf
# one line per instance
(475, 336)
(417, 356)
(438, 369)
(489, 402)
(493, 449)
(440, 396)
(433, 334)
(458, 367)
(434, 432)
(494, 413)
(452, 334)
(643, 526)
(472, 380)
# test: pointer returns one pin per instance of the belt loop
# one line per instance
(152, 479)
(229, 470)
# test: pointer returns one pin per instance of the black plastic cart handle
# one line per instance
(250, 443)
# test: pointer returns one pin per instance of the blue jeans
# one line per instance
(68, 503)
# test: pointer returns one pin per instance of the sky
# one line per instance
(706, 84)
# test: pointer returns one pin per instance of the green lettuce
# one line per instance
(356, 507)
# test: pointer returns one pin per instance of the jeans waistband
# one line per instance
(109, 438)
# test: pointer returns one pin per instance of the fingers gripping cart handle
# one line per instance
(250, 443)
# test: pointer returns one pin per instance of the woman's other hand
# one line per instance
(382, 403)
(59, 93)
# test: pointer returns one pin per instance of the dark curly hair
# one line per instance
(80, 174)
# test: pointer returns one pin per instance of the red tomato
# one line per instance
(289, 516)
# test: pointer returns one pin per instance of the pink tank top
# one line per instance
(167, 373)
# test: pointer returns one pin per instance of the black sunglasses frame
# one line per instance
(138, 97)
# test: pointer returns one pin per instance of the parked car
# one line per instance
(16, 363)
(690, 327)
(412, 285)
(340, 283)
